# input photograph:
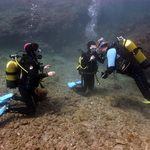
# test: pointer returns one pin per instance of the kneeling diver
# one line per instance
(29, 72)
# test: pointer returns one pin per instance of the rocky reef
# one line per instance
(113, 116)
(56, 23)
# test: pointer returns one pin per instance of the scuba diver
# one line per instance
(26, 74)
(128, 59)
(88, 67)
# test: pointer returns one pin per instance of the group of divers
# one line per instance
(25, 71)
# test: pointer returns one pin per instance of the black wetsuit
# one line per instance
(136, 72)
(29, 81)
(89, 71)
(127, 64)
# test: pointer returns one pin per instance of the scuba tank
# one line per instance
(131, 47)
(12, 72)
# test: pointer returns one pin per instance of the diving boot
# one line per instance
(87, 92)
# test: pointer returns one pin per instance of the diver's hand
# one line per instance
(47, 66)
(93, 47)
(51, 73)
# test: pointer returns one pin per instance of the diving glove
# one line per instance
(109, 70)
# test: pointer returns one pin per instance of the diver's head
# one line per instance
(32, 49)
(103, 46)
(91, 46)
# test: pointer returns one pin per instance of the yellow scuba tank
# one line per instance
(137, 51)
(12, 74)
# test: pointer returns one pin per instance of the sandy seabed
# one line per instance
(110, 118)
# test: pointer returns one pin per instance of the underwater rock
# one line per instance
(48, 21)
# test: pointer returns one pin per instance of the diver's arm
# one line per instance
(48, 74)
(111, 60)
(42, 75)
(45, 72)
(99, 57)
(109, 70)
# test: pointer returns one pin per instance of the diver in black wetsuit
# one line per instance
(88, 67)
(125, 63)
(30, 75)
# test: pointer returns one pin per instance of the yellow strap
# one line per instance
(20, 65)
(79, 66)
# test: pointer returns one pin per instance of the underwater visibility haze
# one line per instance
(113, 117)
(57, 24)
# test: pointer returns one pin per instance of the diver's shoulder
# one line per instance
(112, 49)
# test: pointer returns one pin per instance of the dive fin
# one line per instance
(3, 110)
(146, 102)
(73, 84)
(5, 98)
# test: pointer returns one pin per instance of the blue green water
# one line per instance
(113, 117)
(63, 27)
(57, 24)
